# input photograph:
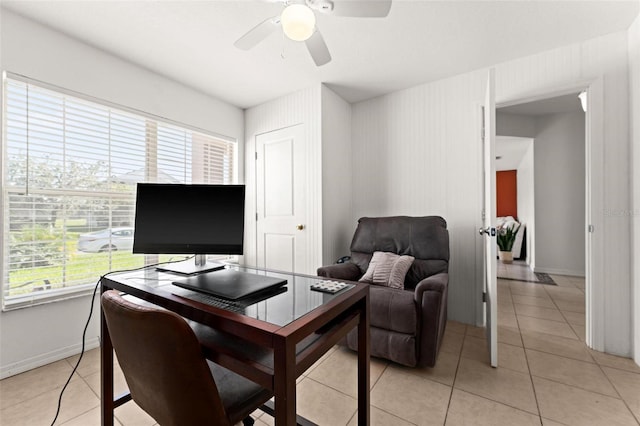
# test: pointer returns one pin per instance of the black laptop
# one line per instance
(230, 284)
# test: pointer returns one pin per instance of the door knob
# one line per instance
(489, 231)
(300, 227)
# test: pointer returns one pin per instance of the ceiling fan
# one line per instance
(298, 22)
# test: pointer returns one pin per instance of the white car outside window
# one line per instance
(112, 239)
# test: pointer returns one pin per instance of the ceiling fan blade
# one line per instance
(361, 8)
(258, 33)
(318, 49)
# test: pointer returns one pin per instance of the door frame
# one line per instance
(594, 196)
(488, 229)
(312, 220)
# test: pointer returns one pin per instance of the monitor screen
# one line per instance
(189, 219)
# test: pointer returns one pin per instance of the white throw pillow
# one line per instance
(387, 269)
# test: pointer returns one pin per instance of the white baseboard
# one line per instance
(44, 359)
(559, 271)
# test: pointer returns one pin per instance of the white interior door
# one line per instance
(489, 219)
(280, 190)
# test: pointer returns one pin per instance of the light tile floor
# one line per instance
(518, 270)
(546, 376)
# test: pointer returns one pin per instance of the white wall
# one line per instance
(526, 201)
(417, 151)
(38, 335)
(559, 196)
(507, 124)
(634, 114)
(327, 119)
(604, 57)
(560, 193)
(523, 126)
(414, 152)
(300, 107)
(336, 177)
(559, 187)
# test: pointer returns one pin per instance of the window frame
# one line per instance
(80, 290)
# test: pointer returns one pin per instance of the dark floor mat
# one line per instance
(520, 271)
(544, 278)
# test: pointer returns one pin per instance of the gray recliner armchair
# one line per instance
(407, 325)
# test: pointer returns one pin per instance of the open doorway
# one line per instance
(541, 146)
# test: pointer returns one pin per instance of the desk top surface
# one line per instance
(279, 307)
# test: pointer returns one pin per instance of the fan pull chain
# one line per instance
(282, 55)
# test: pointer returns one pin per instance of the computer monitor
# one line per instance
(189, 219)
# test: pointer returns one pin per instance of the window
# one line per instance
(70, 168)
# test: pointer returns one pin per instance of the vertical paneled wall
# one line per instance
(302, 107)
(634, 90)
(417, 151)
(337, 228)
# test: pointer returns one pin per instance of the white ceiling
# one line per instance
(510, 151)
(191, 41)
(557, 105)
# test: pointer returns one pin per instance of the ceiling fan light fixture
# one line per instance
(298, 22)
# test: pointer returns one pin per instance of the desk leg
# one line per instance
(284, 382)
(364, 352)
(106, 368)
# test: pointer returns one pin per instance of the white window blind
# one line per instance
(70, 171)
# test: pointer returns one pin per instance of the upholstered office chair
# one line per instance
(167, 374)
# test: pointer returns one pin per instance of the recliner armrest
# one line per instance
(342, 271)
(437, 282)
(430, 296)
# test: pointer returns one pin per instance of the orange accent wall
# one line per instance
(507, 193)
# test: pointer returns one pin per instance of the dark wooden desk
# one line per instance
(271, 342)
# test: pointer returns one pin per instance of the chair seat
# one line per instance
(238, 395)
(167, 373)
(393, 309)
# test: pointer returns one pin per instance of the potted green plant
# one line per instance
(506, 237)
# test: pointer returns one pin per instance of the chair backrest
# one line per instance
(162, 362)
(425, 238)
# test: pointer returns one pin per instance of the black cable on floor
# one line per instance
(84, 333)
(86, 326)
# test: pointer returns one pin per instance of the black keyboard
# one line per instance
(217, 302)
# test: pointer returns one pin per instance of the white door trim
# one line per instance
(489, 217)
(594, 200)
(283, 221)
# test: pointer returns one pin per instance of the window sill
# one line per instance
(34, 299)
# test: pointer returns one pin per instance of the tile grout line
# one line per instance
(547, 319)
(562, 356)
(567, 322)
(92, 391)
(333, 389)
(455, 375)
(590, 355)
(624, 401)
(73, 418)
(530, 377)
(577, 387)
(533, 387)
(57, 388)
(350, 396)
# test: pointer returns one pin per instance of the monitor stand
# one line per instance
(197, 265)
